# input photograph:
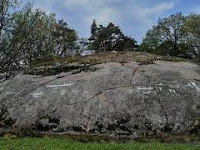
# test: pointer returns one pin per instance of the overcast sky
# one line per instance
(134, 17)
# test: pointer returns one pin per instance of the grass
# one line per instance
(64, 144)
(45, 67)
(106, 57)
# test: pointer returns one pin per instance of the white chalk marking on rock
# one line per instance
(62, 85)
(37, 94)
(62, 92)
(146, 92)
(144, 88)
(131, 91)
(160, 84)
(172, 91)
(189, 85)
(193, 85)
(174, 86)
(160, 88)
(85, 92)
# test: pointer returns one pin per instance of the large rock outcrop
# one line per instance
(127, 99)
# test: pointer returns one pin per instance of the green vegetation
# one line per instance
(84, 63)
(28, 34)
(176, 35)
(110, 38)
(63, 144)
(106, 57)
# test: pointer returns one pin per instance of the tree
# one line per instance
(30, 34)
(192, 28)
(6, 62)
(65, 38)
(45, 37)
(151, 41)
(94, 39)
(109, 38)
(167, 37)
(94, 29)
(5, 15)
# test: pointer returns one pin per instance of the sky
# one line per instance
(134, 17)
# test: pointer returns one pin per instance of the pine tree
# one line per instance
(109, 38)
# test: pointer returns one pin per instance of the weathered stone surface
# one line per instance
(116, 99)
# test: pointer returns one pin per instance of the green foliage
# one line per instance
(192, 27)
(7, 64)
(170, 36)
(65, 38)
(30, 34)
(109, 38)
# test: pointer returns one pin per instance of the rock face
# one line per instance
(113, 99)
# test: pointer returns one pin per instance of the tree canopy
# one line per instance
(30, 34)
(176, 35)
(109, 38)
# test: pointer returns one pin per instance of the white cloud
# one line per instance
(134, 16)
(103, 12)
(88, 4)
(157, 8)
(95, 9)
(103, 16)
